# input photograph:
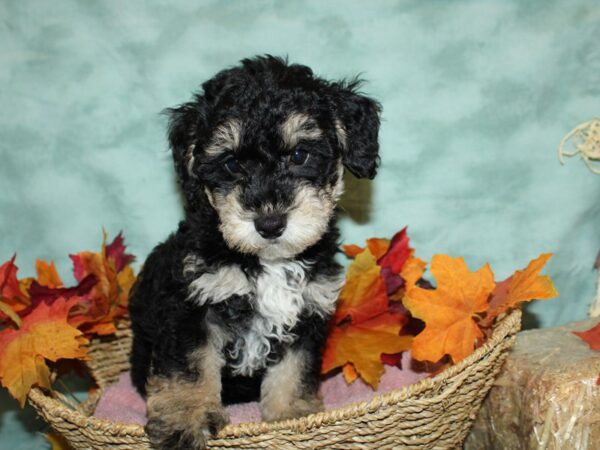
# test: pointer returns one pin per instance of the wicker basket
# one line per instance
(435, 413)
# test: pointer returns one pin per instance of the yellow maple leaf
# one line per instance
(12, 315)
(449, 310)
(44, 335)
(125, 280)
(364, 294)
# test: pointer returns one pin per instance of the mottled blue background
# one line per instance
(476, 96)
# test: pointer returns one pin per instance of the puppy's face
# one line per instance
(274, 181)
(266, 146)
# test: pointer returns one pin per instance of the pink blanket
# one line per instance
(122, 403)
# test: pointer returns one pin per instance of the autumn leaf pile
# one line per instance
(42, 321)
(386, 307)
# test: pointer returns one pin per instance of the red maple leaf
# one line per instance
(397, 253)
(591, 337)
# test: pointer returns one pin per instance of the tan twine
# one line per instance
(435, 413)
(584, 140)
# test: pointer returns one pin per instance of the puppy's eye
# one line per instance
(233, 166)
(299, 157)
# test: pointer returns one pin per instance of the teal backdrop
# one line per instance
(476, 96)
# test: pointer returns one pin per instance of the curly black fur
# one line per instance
(172, 314)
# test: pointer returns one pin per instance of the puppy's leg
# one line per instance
(183, 410)
(289, 388)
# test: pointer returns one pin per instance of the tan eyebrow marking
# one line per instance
(227, 136)
(340, 132)
(297, 127)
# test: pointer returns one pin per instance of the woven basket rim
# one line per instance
(55, 408)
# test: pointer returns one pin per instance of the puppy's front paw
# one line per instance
(216, 419)
(191, 434)
(163, 436)
(274, 410)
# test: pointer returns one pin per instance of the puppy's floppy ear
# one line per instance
(184, 123)
(357, 130)
(188, 122)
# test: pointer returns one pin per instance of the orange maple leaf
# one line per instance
(350, 373)
(448, 310)
(107, 300)
(351, 250)
(412, 271)
(47, 274)
(524, 285)
(11, 291)
(362, 345)
(381, 269)
(44, 335)
(377, 246)
(9, 285)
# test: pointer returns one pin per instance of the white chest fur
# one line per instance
(279, 295)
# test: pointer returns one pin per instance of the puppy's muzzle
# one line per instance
(270, 226)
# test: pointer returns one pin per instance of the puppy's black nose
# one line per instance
(270, 227)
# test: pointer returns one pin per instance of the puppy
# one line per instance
(234, 305)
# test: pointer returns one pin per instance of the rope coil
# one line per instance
(583, 140)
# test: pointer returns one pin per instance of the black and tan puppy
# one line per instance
(234, 306)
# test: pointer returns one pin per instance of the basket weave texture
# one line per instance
(434, 413)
